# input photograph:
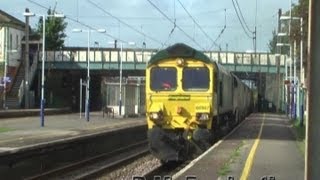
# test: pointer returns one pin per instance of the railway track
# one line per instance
(165, 171)
(102, 165)
(169, 170)
(98, 165)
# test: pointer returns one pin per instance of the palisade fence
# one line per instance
(133, 96)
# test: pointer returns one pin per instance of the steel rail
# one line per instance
(68, 169)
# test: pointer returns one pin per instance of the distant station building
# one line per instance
(12, 35)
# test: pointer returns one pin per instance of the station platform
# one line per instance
(262, 147)
(25, 131)
(13, 113)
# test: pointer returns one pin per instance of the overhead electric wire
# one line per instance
(209, 12)
(128, 25)
(246, 25)
(173, 22)
(198, 24)
(222, 31)
(255, 30)
(244, 21)
(44, 7)
(244, 29)
(77, 21)
(146, 17)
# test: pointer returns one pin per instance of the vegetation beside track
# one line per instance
(299, 132)
(5, 129)
(225, 169)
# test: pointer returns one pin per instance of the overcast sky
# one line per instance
(142, 16)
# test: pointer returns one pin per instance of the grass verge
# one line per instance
(4, 129)
(299, 132)
(225, 169)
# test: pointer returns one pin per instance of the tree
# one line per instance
(54, 31)
(299, 10)
(273, 42)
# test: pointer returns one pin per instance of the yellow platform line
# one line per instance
(247, 168)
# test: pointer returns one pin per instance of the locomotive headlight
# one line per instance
(155, 116)
(180, 61)
(202, 116)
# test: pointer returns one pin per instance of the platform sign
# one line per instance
(7, 79)
(136, 79)
(143, 78)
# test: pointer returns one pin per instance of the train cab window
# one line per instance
(163, 79)
(195, 79)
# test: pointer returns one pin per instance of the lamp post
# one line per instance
(278, 57)
(5, 67)
(144, 46)
(26, 61)
(42, 102)
(96, 46)
(301, 93)
(295, 65)
(120, 72)
(120, 86)
(281, 45)
(290, 54)
(286, 72)
(87, 103)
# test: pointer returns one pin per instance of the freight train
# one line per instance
(189, 99)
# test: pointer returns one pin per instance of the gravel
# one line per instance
(136, 168)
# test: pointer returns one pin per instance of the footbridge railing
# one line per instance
(137, 59)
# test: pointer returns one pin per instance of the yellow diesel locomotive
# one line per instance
(189, 99)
